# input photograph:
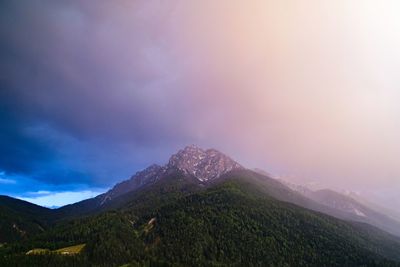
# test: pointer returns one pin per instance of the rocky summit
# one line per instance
(205, 165)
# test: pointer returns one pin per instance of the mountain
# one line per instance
(371, 203)
(202, 165)
(203, 209)
(232, 221)
(205, 165)
(364, 213)
(355, 210)
(20, 219)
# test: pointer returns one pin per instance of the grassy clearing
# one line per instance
(37, 251)
(72, 250)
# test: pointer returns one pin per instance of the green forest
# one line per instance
(231, 223)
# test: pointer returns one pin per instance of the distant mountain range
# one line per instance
(200, 209)
(353, 208)
(371, 203)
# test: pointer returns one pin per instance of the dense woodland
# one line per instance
(231, 223)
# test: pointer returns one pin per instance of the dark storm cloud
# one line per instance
(79, 79)
(19, 151)
(64, 64)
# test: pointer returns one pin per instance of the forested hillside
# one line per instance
(230, 223)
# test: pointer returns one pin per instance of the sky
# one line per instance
(93, 91)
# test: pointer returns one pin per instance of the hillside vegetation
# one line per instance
(230, 223)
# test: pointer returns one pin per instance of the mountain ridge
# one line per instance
(350, 205)
(206, 166)
(204, 200)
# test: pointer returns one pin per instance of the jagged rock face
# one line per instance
(205, 165)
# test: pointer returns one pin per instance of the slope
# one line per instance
(20, 219)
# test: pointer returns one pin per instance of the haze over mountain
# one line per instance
(361, 211)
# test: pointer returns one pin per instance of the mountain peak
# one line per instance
(192, 160)
(203, 164)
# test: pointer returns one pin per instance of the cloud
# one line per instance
(7, 181)
(39, 193)
(81, 93)
(58, 199)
